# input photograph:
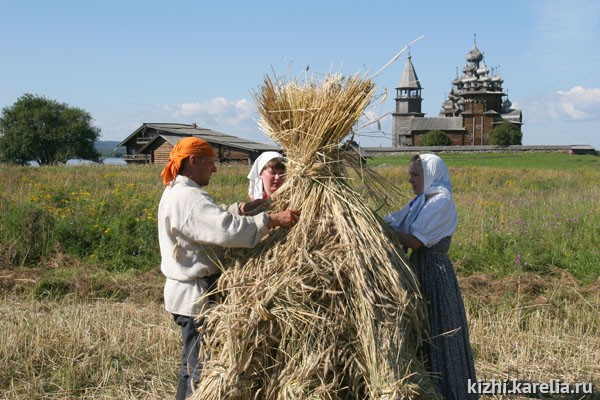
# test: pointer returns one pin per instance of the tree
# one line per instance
(506, 134)
(35, 128)
(436, 138)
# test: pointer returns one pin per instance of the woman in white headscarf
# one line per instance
(266, 175)
(426, 226)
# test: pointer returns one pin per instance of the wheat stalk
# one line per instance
(328, 309)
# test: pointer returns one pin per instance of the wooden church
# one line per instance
(476, 104)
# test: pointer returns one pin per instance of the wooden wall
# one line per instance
(458, 139)
(161, 154)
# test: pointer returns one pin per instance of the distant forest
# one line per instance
(108, 148)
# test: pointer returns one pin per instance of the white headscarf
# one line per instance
(255, 187)
(436, 180)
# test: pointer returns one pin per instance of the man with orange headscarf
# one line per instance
(192, 232)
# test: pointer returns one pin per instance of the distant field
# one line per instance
(537, 210)
(561, 161)
(81, 292)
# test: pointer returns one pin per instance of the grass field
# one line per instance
(558, 161)
(81, 313)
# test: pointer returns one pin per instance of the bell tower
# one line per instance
(408, 104)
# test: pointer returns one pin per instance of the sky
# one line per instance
(130, 62)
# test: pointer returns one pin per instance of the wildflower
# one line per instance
(518, 261)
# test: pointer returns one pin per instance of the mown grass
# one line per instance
(86, 350)
(81, 314)
(73, 349)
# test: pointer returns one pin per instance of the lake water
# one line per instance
(105, 161)
(113, 161)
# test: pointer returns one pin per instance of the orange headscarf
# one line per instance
(189, 146)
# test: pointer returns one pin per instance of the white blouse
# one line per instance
(438, 218)
(192, 232)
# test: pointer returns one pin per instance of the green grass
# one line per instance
(518, 212)
(514, 217)
(103, 215)
(558, 161)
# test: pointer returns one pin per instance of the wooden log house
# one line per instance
(151, 143)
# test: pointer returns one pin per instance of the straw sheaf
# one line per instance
(328, 309)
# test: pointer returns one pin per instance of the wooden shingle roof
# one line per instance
(175, 132)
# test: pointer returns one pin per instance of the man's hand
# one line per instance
(252, 207)
(285, 218)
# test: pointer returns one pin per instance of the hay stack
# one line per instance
(327, 309)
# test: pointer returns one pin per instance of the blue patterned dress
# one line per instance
(450, 358)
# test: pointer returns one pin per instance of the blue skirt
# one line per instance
(448, 352)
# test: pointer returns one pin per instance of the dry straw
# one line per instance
(328, 309)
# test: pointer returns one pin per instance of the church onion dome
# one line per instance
(453, 95)
(483, 70)
(474, 55)
(506, 104)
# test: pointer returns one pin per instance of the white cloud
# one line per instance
(575, 104)
(215, 112)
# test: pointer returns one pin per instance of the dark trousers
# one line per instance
(191, 367)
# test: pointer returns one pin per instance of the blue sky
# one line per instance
(129, 62)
